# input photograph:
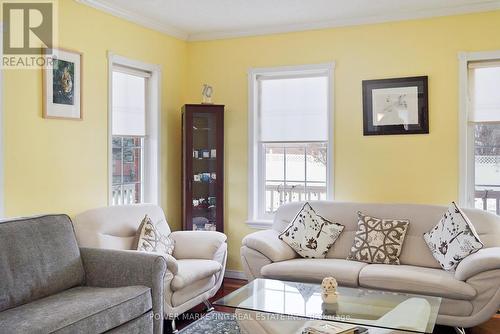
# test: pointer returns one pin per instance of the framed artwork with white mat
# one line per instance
(62, 85)
(395, 106)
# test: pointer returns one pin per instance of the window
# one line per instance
(290, 138)
(481, 179)
(134, 134)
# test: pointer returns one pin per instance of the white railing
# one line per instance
(277, 195)
(488, 200)
(123, 194)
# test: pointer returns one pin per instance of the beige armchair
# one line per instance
(194, 271)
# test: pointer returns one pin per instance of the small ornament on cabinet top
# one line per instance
(206, 94)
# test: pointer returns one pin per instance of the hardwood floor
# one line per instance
(229, 285)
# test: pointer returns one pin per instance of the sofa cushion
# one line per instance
(39, 256)
(141, 325)
(453, 238)
(314, 270)
(378, 240)
(310, 235)
(78, 310)
(190, 271)
(419, 280)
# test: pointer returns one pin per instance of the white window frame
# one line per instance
(152, 140)
(254, 151)
(466, 182)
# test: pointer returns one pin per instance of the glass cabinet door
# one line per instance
(203, 166)
(204, 172)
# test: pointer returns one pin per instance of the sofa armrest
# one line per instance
(483, 260)
(115, 268)
(268, 243)
(197, 244)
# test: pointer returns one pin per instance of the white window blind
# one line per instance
(129, 102)
(293, 109)
(485, 92)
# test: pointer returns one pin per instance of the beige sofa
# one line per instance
(194, 272)
(470, 296)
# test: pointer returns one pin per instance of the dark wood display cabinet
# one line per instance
(203, 167)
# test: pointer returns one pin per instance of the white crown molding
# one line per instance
(392, 17)
(484, 6)
(135, 18)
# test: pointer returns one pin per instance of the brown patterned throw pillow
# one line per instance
(154, 237)
(311, 235)
(378, 240)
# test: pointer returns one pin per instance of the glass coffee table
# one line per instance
(375, 310)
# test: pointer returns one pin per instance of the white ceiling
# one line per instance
(215, 19)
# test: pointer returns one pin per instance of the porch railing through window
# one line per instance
(488, 199)
(123, 194)
(279, 194)
(487, 170)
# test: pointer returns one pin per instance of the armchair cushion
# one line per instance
(483, 260)
(78, 310)
(193, 291)
(197, 244)
(268, 243)
(114, 227)
(191, 271)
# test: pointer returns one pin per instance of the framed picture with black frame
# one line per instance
(396, 106)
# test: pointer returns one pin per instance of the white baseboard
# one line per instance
(236, 274)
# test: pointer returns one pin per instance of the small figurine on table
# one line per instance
(329, 294)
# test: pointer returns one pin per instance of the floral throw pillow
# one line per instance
(309, 234)
(378, 240)
(153, 237)
(453, 238)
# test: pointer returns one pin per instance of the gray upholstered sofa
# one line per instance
(470, 296)
(49, 285)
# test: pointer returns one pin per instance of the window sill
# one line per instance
(260, 224)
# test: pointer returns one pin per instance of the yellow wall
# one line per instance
(411, 168)
(61, 165)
